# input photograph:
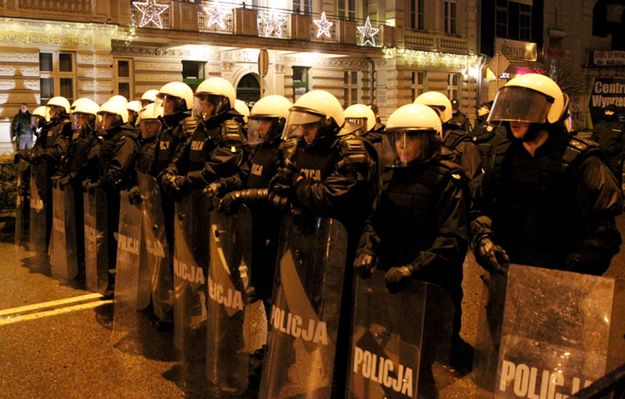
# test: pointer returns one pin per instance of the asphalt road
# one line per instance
(62, 345)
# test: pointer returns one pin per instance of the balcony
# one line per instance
(153, 18)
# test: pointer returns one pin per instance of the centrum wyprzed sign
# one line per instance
(606, 91)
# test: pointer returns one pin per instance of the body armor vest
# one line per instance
(264, 164)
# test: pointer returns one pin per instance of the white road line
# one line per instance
(50, 304)
(54, 312)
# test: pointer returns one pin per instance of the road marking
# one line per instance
(54, 312)
(51, 304)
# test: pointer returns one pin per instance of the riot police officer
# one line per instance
(549, 199)
(134, 107)
(610, 134)
(215, 149)
(458, 118)
(363, 117)
(455, 138)
(148, 97)
(419, 228)
(55, 135)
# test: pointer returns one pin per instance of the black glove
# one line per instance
(134, 196)
(64, 181)
(55, 181)
(89, 186)
(491, 256)
(365, 263)
(282, 181)
(396, 277)
(212, 192)
(174, 185)
(230, 202)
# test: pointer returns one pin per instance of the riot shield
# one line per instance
(156, 259)
(390, 357)
(38, 209)
(305, 312)
(558, 332)
(128, 300)
(63, 240)
(229, 339)
(21, 203)
(96, 240)
(191, 232)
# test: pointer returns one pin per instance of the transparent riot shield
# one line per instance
(21, 203)
(558, 332)
(96, 240)
(391, 357)
(128, 281)
(191, 249)
(156, 259)
(305, 312)
(38, 209)
(229, 340)
(63, 239)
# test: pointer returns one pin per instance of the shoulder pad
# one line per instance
(189, 124)
(353, 151)
(231, 131)
(578, 146)
(352, 144)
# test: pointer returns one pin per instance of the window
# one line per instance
(124, 78)
(525, 21)
(450, 17)
(300, 82)
(501, 18)
(350, 88)
(57, 75)
(417, 14)
(453, 86)
(193, 73)
(302, 6)
(347, 9)
(419, 84)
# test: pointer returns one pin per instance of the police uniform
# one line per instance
(465, 153)
(610, 134)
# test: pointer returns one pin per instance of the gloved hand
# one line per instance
(173, 185)
(212, 191)
(282, 181)
(365, 263)
(396, 276)
(491, 256)
(134, 196)
(55, 181)
(89, 186)
(230, 202)
(64, 181)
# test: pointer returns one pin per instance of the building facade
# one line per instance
(383, 52)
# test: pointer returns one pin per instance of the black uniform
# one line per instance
(465, 153)
(421, 221)
(459, 121)
(610, 134)
(214, 150)
(555, 209)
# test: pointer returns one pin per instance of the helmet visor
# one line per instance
(302, 124)
(401, 148)
(520, 104)
(260, 129)
(361, 123)
(149, 128)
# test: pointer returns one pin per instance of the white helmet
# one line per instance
(217, 86)
(241, 107)
(267, 118)
(59, 101)
(77, 102)
(149, 96)
(412, 135)
(319, 109)
(438, 101)
(86, 106)
(42, 112)
(116, 108)
(273, 106)
(149, 122)
(532, 98)
(180, 90)
(361, 115)
(134, 106)
(118, 98)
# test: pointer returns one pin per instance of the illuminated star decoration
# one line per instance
(215, 16)
(323, 26)
(150, 12)
(368, 32)
(273, 24)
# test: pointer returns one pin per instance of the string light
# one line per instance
(150, 12)
(368, 33)
(323, 26)
(433, 59)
